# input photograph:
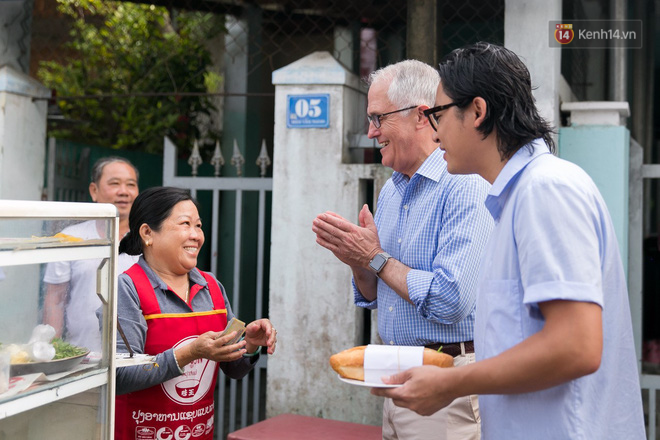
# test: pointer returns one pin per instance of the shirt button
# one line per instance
(399, 240)
(391, 308)
(391, 342)
(405, 207)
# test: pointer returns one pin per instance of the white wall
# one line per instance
(22, 135)
(526, 33)
(311, 300)
(22, 156)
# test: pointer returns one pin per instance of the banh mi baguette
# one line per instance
(349, 363)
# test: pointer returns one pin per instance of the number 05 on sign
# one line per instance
(308, 111)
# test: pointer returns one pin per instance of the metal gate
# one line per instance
(235, 399)
(67, 172)
(643, 173)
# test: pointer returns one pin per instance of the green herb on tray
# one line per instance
(65, 350)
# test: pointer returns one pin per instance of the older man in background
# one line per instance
(70, 302)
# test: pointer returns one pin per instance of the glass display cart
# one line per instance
(70, 396)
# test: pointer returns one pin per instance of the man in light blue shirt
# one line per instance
(417, 260)
(553, 333)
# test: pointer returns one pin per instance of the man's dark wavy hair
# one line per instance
(497, 75)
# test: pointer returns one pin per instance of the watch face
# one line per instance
(378, 262)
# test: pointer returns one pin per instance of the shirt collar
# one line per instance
(432, 168)
(155, 280)
(514, 166)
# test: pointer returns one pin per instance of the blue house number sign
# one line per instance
(308, 111)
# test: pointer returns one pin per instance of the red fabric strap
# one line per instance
(145, 290)
(214, 290)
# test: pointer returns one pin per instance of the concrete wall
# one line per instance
(22, 135)
(526, 33)
(311, 301)
(22, 157)
(15, 34)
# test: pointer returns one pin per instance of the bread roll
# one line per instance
(350, 363)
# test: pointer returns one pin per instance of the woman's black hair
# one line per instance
(497, 75)
(152, 206)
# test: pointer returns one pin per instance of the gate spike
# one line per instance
(195, 159)
(263, 161)
(218, 159)
(237, 159)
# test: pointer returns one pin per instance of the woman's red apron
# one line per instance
(181, 408)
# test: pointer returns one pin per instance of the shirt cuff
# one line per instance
(563, 290)
(177, 362)
(360, 300)
(419, 284)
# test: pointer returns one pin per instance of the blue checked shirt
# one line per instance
(437, 224)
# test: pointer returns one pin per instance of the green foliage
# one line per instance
(133, 50)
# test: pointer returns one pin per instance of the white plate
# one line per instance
(368, 384)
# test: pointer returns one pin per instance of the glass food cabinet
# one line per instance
(70, 396)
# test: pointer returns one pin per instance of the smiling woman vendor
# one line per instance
(170, 309)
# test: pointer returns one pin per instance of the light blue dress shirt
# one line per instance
(554, 240)
(435, 223)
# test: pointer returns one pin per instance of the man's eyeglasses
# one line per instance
(375, 119)
(431, 114)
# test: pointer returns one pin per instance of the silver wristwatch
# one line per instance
(378, 262)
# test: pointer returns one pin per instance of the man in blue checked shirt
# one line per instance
(553, 334)
(417, 260)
